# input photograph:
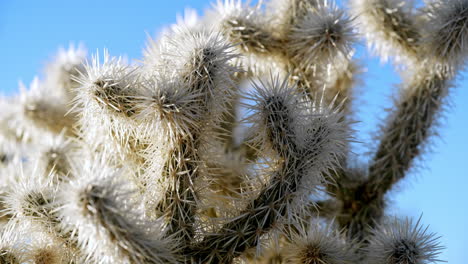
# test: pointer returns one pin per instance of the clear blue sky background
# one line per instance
(31, 32)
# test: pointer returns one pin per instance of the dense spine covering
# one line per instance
(319, 244)
(390, 27)
(304, 153)
(402, 242)
(417, 112)
(169, 161)
(446, 31)
(109, 226)
(106, 96)
(188, 108)
(404, 136)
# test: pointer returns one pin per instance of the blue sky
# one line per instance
(31, 32)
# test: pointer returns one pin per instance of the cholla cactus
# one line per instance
(173, 161)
